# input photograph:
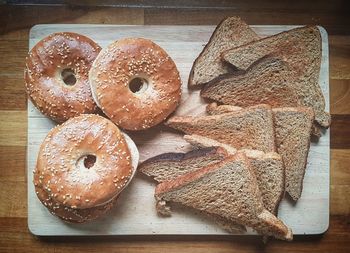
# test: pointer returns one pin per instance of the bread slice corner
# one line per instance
(229, 189)
(301, 48)
(250, 128)
(269, 80)
(229, 33)
(293, 128)
(168, 166)
(268, 168)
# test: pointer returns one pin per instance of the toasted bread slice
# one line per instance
(230, 33)
(249, 128)
(200, 142)
(229, 189)
(169, 166)
(293, 128)
(215, 109)
(268, 168)
(267, 81)
(301, 48)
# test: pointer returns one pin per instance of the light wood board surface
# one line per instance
(135, 213)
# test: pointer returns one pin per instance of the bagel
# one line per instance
(82, 166)
(70, 214)
(135, 83)
(56, 75)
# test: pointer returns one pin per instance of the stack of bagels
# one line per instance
(86, 161)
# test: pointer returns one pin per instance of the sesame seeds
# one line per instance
(51, 55)
(71, 186)
(117, 65)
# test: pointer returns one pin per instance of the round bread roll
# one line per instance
(135, 83)
(56, 75)
(69, 214)
(84, 163)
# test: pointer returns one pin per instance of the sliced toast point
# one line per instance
(301, 48)
(214, 109)
(230, 33)
(200, 142)
(268, 81)
(169, 166)
(250, 128)
(229, 189)
(268, 168)
(293, 128)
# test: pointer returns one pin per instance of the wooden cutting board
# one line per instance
(135, 213)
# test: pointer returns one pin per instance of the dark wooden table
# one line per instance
(15, 22)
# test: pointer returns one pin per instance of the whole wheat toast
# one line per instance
(215, 109)
(249, 128)
(293, 128)
(301, 48)
(268, 168)
(231, 32)
(168, 166)
(229, 189)
(267, 81)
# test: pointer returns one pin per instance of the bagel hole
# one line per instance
(138, 85)
(89, 161)
(68, 76)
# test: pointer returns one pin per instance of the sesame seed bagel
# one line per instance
(70, 214)
(85, 162)
(56, 75)
(135, 83)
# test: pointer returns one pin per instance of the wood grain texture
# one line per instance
(14, 235)
(336, 5)
(8, 192)
(340, 194)
(12, 160)
(13, 128)
(12, 55)
(340, 96)
(340, 162)
(340, 131)
(18, 28)
(13, 95)
(14, 230)
(262, 16)
(340, 57)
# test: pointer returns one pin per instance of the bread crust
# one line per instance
(44, 84)
(251, 127)
(261, 162)
(240, 23)
(291, 169)
(124, 61)
(301, 48)
(177, 157)
(192, 176)
(251, 213)
(69, 214)
(273, 85)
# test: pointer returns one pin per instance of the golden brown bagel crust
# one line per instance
(44, 84)
(69, 214)
(123, 61)
(60, 163)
